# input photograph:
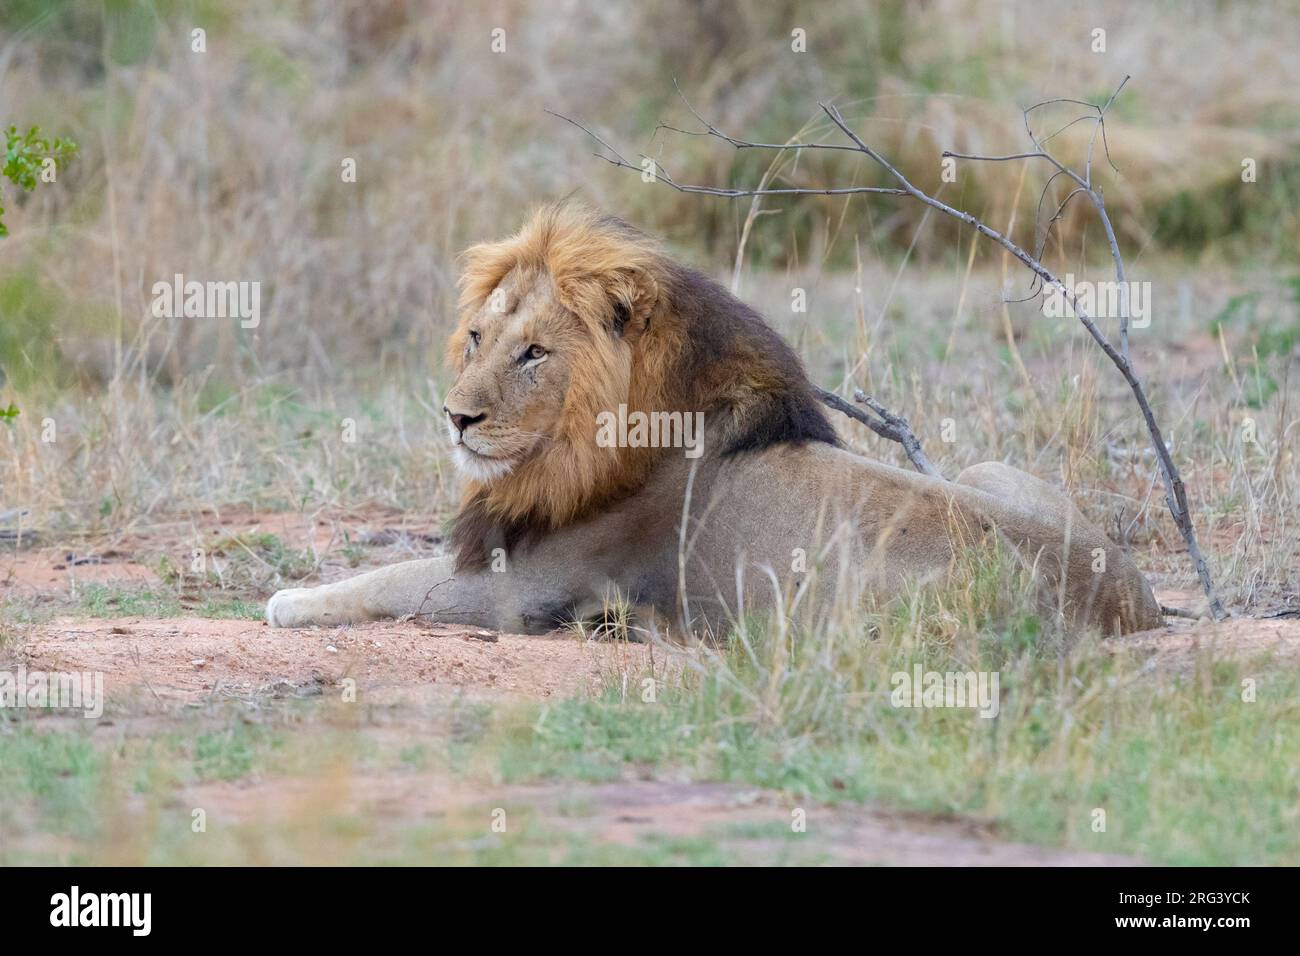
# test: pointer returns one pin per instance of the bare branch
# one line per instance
(1101, 128)
(890, 426)
(1056, 217)
(711, 130)
(743, 144)
(662, 175)
(1085, 182)
(1035, 154)
(1100, 204)
(1074, 122)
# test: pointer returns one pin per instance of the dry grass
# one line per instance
(227, 164)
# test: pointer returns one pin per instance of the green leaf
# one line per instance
(24, 157)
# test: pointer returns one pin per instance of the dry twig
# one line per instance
(887, 425)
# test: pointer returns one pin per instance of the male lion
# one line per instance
(579, 319)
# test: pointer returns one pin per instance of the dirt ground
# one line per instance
(183, 660)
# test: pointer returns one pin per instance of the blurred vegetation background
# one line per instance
(226, 164)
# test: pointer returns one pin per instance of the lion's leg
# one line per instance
(536, 591)
(427, 586)
(528, 600)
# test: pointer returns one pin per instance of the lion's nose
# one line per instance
(463, 422)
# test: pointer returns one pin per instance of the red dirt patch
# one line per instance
(58, 571)
(1241, 639)
(185, 659)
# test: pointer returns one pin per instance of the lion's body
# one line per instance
(773, 514)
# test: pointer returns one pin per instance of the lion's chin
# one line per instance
(480, 468)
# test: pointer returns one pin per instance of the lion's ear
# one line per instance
(633, 295)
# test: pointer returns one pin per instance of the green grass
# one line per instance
(267, 551)
(1185, 770)
(230, 752)
(232, 609)
(111, 601)
(82, 784)
(107, 601)
(77, 791)
(55, 774)
(101, 600)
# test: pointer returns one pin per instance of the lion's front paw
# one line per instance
(290, 608)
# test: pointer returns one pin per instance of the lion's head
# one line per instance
(578, 314)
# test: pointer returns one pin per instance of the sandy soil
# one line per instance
(55, 571)
(185, 659)
(1242, 639)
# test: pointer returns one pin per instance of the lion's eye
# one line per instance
(474, 338)
(533, 353)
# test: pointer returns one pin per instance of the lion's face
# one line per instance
(515, 356)
(554, 330)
